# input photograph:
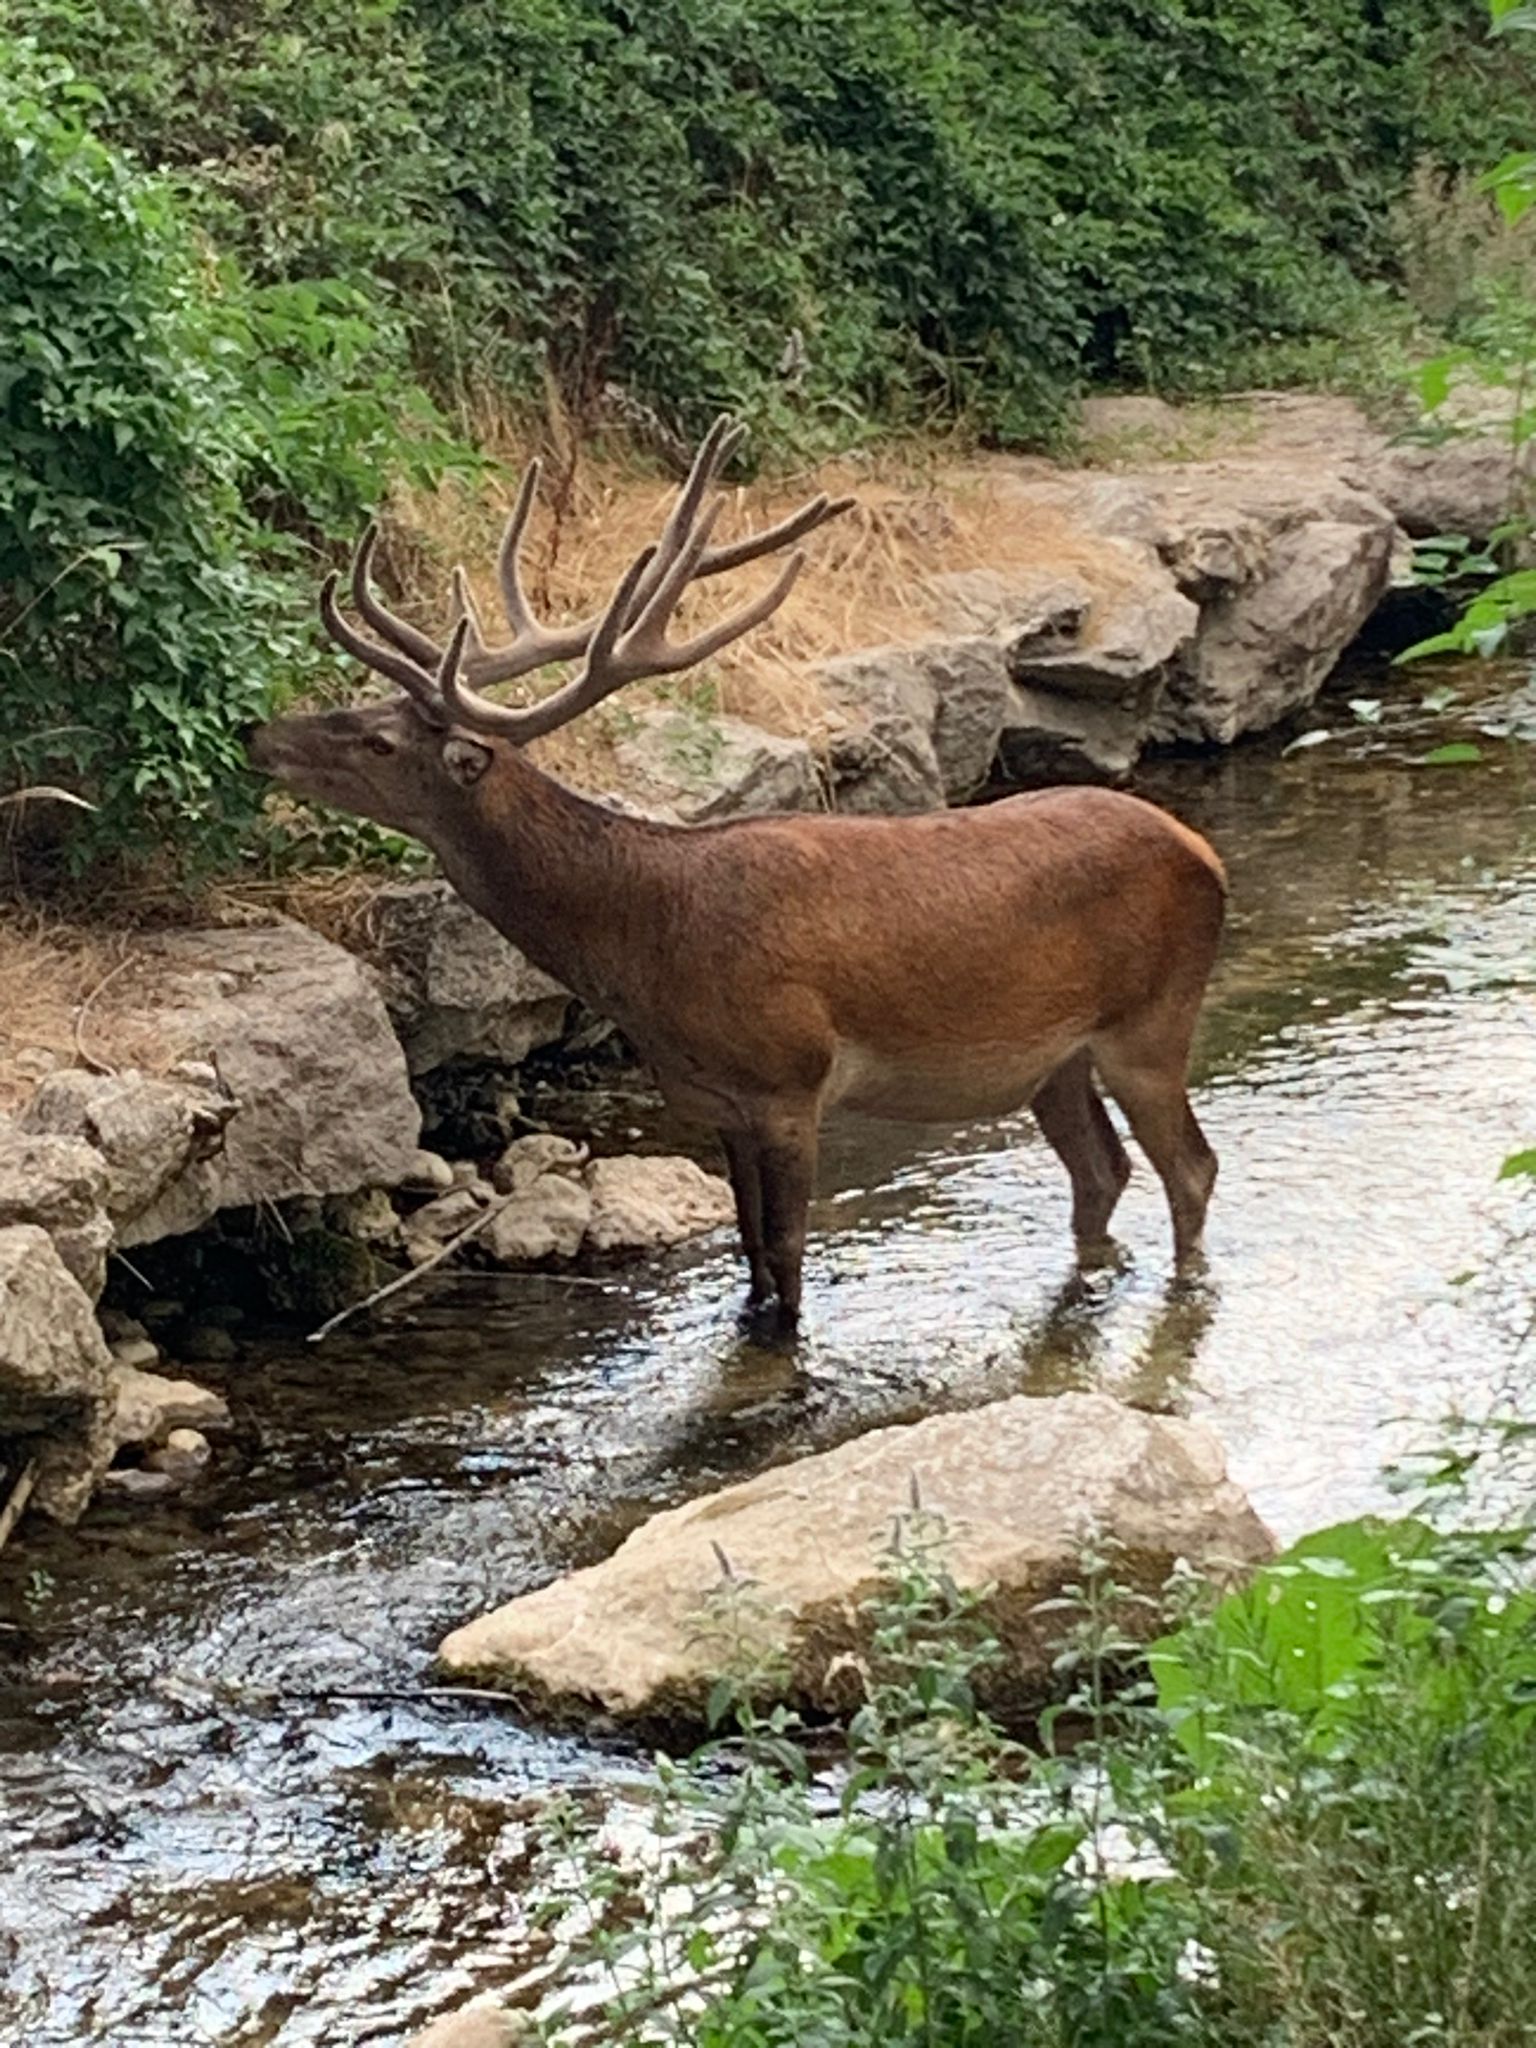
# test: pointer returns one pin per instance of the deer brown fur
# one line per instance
(929, 969)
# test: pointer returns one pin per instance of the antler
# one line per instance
(621, 643)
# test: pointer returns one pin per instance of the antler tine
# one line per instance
(715, 561)
(513, 601)
(416, 681)
(715, 637)
(464, 607)
(521, 724)
(397, 631)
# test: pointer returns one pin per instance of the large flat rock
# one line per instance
(1021, 1484)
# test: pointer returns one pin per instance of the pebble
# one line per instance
(182, 1456)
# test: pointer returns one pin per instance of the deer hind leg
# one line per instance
(1076, 1125)
(744, 1162)
(787, 1163)
(1144, 1064)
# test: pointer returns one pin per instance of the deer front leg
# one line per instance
(745, 1166)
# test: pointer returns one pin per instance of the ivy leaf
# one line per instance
(1456, 754)
(1519, 1166)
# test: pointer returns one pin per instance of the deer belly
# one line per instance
(949, 1086)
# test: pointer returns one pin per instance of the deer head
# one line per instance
(411, 763)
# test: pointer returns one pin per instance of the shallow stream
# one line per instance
(225, 1818)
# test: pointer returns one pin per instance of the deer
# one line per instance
(940, 968)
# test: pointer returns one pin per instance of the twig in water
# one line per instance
(21, 1493)
(404, 1280)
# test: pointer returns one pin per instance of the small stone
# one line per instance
(150, 1406)
(117, 1328)
(207, 1344)
(136, 1482)
(445, 1217)
(547, 1220)
(465, 1173)
(477, 2025)
(526, 1159)
(368, 1216)
(183, 1455)
(641, 1204)
(141, 1352)
(162, 1313)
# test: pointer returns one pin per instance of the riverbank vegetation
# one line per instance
(263, 266)
(1308, 1826)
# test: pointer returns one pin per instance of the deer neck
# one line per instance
(575, 886)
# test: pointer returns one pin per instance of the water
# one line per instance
(228, 1815)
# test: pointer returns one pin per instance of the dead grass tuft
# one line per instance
(74, 995)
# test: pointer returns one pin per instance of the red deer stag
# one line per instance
(929, 969)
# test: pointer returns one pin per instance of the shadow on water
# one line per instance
(226, 1813)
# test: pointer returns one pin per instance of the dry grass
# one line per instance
(74, 995)
(916, 513)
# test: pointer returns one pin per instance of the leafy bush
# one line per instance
(1314, 1831)
(161, 419)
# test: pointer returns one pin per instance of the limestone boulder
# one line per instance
(1267, 649)
(695, 766)
(148, 1130)
(61, 1185)
(1020, 1484)
(881, 753)
(56, 1395)
(1461, 485)
(299, 1036)
(456, 989)
(527, 1159)
(645, 1204)
(1047, 738)
(968, 680)
(150, 1406)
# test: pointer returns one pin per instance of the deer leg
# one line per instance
(787, 1160)
(1076, 1125)
(1144, 1069)
(744, 1163)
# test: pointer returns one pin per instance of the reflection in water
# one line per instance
(227, 1814)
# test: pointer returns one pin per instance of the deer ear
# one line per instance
(465, 760)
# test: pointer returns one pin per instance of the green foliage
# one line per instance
(1314, 1830)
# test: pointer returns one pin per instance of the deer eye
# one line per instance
(379, 745)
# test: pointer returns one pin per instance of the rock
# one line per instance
(142, 1353)
(430, 1228)
(1455, 486)
(1125, 643)
(1046, 738)
(59, 1184)
(184, 1455)
(698, 767)
(882, 755)
(525, 1159)
(139, 1482)
(55, 1385)
(969, 683)
(1020, 1484)
(474, 2026)
(456, 988)
(548, 1218)
(300, 1035)
(148, 1131)
(149, 1407)
(643, 1204)
(427, 1174)
(1268, 648)
(990, 604)
(368, 1216)
(207, 1344)
(119, 1328)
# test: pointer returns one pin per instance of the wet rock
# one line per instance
(207, 1344)
(183, 1456)
(119, 1328)
(456, 988)
(149, 1406)
(148, 1131)
(368, 1216)
(525, 1159)
(696, 766)
(881, 754)
(643, 1204)
(430, 1228)
(55, 1387)
(1020, 1484)
(478, 2025)
(59, 1184)
(140, 1483)
(300, 1036)
(548, 1218)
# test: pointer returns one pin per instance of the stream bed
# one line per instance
(225, 1818)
